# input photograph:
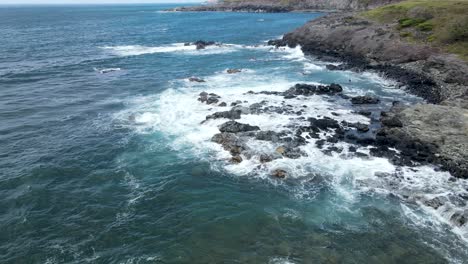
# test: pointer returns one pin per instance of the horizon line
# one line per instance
(69, 4)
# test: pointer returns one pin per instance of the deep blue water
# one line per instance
(116, 167)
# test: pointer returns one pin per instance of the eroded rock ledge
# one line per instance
(437, 133)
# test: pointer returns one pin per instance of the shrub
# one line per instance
(408, 22)
(457, 30)
(431, 38)
(426, 26)
(420, 13)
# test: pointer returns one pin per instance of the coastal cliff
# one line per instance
(287, 5)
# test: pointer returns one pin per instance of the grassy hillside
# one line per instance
(440, 23)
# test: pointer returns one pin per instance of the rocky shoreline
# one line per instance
(435, 132)
(392, 134)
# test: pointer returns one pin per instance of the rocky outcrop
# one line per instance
(235, 127)
(209, 98)
(422, 134)
(431, 133)
(406, 135)
(366, 45)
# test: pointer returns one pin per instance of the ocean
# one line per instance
(106, 157)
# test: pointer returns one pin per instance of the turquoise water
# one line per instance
(116, 168)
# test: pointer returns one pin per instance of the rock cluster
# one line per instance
(209, 98)
(407, 136)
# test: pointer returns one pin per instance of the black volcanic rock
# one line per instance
(364, 100)
(235, 127)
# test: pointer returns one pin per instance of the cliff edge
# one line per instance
(287, 5)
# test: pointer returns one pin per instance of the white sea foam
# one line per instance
(177, 113)
(278, 260)
(107, 70)
(136, 50)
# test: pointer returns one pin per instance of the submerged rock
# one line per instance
(290, 152)
(364, 100)
(323, 123)
(268, 136)
(459, 218)
(434, 203)
(332, 67)
(236, 159)
(196, 79)
(280, 174)
(264, 158)
(200, 44)
(232, 71)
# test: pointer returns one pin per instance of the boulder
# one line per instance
(235, 127)
(232, 114)
(264, 158)
(230, 142)
(209, 98)
(236, 159)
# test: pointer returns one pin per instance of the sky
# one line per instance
(93, 1)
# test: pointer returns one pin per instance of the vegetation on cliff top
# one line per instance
(313, 4)
(442, 24)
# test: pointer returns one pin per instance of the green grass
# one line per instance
(425, 26)
(440, 23)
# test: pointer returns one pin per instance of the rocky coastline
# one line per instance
(392, 133)
(434, 133)
(438, 129)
